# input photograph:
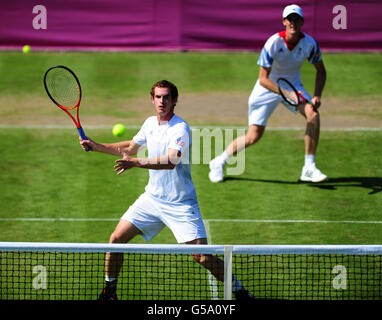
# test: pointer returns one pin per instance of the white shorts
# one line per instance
(150, 216)
(262, 103)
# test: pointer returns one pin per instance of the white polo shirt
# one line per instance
(286, 60)
(169, 186)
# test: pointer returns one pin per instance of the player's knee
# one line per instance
(313, 116)
(115, 238)
(200, 258)
(197, 257)
(252, 138)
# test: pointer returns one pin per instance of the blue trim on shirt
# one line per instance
(315, 54)
(265, 57)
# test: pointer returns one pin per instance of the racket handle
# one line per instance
(83, 136)
(305, 99)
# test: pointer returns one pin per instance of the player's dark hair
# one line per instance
(165, 84)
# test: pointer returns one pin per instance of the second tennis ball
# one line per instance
(26, 49)
(119, 130)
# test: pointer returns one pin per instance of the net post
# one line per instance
(227, 272)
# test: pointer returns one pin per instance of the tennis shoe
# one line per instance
(216, 171)
(109, 292)
(105, 296)
(243, 295)
(312, 174)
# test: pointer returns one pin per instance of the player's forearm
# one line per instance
(159, 163)
(265, 81)
(165, 162)
(269, 84)
(320, 82)
(115, 148)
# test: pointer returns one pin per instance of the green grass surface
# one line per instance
(124, 75)
(46, 176)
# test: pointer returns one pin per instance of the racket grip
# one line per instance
(83, 136)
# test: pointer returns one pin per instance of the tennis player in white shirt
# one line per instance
(170, 198)
(282, 56)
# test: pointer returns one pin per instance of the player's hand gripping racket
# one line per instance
(64, 89)
(290, 94)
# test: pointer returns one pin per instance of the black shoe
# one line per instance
(243, 295)
(109, 292)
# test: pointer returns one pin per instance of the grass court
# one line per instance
(52, 191)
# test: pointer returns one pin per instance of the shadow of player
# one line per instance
(374, 184)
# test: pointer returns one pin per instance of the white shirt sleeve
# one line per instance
(140, 137)
(315, 53)
(267, 53)
(180, 139)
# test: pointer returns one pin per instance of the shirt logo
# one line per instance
(180, 142)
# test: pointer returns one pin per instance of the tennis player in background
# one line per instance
(282, 56)
(170, 197)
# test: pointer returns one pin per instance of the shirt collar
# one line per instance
(290, 46)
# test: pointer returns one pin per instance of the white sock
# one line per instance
(110, 279)
(236, 285)
(223, 158)
(309, 160)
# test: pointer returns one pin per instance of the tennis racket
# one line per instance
(290, 94)
(64, 89)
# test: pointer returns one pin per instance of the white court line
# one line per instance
(208, 230)
(60, 219)
(292, 221)
(206, 221)
(3, 126)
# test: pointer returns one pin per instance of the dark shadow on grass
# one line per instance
(372, 183)
(231, 178)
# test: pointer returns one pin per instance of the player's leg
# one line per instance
(140, 218)
(254, 134)
(310, 172)
(312, 132)
(216, 267)
(261, 105)
(209, 261)
(187, 225)
(123, 233)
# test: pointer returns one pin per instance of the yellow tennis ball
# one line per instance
(119, 130)
(26, 49)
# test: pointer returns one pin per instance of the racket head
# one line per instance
(63, 87)
(288, 92)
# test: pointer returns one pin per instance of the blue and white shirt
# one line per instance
(170, 186)
(286, 60)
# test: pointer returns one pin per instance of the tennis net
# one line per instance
(65, 271)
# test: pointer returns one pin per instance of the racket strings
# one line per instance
(63, 88)
(288, 92)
